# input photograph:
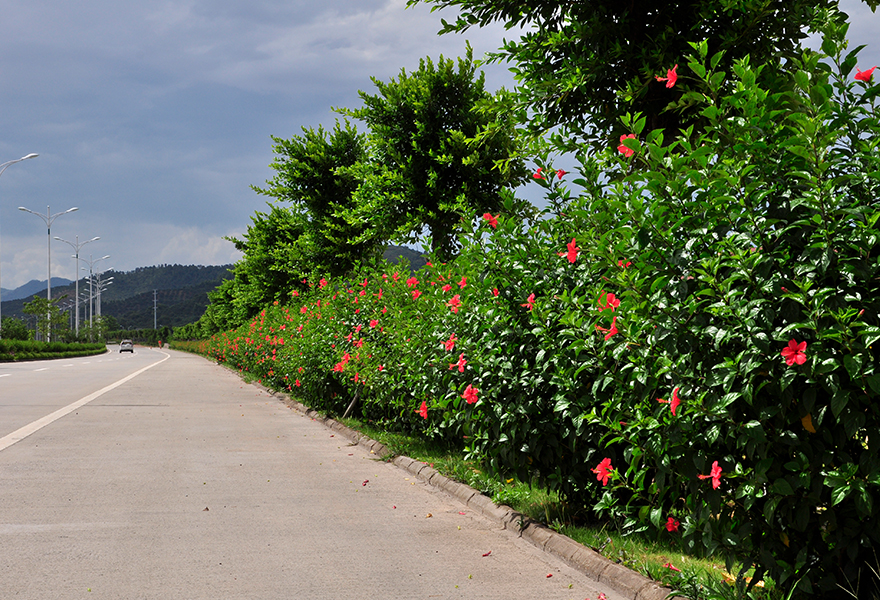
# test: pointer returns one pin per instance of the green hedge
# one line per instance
(19, 350)
(691, 338)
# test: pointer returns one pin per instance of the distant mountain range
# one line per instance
(181, 292)
(30, 288)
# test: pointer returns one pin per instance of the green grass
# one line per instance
(698, 578)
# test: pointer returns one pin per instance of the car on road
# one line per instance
(126, 346)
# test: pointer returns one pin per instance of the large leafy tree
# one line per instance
(437, 156)
(582, 64)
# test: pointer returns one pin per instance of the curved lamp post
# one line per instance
(48, 219)
(76, 246)
(3, 167)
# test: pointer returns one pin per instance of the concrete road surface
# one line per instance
(182, 482)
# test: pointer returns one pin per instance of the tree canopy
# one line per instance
(427, 168)
(581, 65)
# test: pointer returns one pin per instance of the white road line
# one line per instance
(43, 369)
(23, 432)
(5, 375)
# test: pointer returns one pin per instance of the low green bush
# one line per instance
(20, 350)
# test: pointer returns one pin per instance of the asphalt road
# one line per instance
(182, 482)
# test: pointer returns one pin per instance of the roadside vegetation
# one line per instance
(678, 348)
(18, 350)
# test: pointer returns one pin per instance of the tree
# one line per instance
(49, 316)
(313, 174)
(428, 168)
(581, 65)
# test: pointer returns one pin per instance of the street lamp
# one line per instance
(48, 219)
(3, 168)
(76, 246)
(92, 262)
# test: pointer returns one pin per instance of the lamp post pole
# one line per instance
(76, 246)
(3, 167)
(48, 219)
(92, 262)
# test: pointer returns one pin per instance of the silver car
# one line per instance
(126, 346)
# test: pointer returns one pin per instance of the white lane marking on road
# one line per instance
(23, 432)
(67, 365)
(43, 369)
(5, 375)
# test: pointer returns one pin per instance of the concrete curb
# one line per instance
(589, 562)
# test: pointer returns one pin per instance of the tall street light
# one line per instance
(76, 246)
(48, 219)
(3, 168)
(92, 262)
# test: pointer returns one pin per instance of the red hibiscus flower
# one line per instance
(416, 294)
(672, 525)
(611, 331)
(572, 250)
(621, 264)
(611, 302)
(470, 394)
(865, 75)
(460, 364)
(492, 221)
(603, 471)
(673, 404)
(530, 301)
(560, 173)
(794, 353)
(454, 303)
(715, 474)
(412, 282)
(623, 149)
(495, 291)
(537, 174)
(671, 77)
(423, 410)
(450, 343)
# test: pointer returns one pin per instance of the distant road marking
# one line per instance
(67, 365)
(23, 432)
(43, 369)
(5, 375)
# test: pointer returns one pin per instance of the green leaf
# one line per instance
(782, 487)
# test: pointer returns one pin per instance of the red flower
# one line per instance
(323, 282)
(627, 152)
(572, 250)
(671, 566)
(412, 282)
(470, 394)
(530, 301)
(865, 75)
(462, 283)
(492, 221)
(672, 525)
(560, 173)
(454, 303)
(620, 264)
(460, 364)
(673, 403)
(794, 353)
(611, 331)
(447, 288)
(416, 294)
(374, 322)
(495, 291)
(450, 343)
(611, 302)
(537, 174)
(603, 471)
(671, 77)
(715, 474)
(423, 410)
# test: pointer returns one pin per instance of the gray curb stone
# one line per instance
(592, 564)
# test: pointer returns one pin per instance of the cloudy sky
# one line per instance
(154, 118)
